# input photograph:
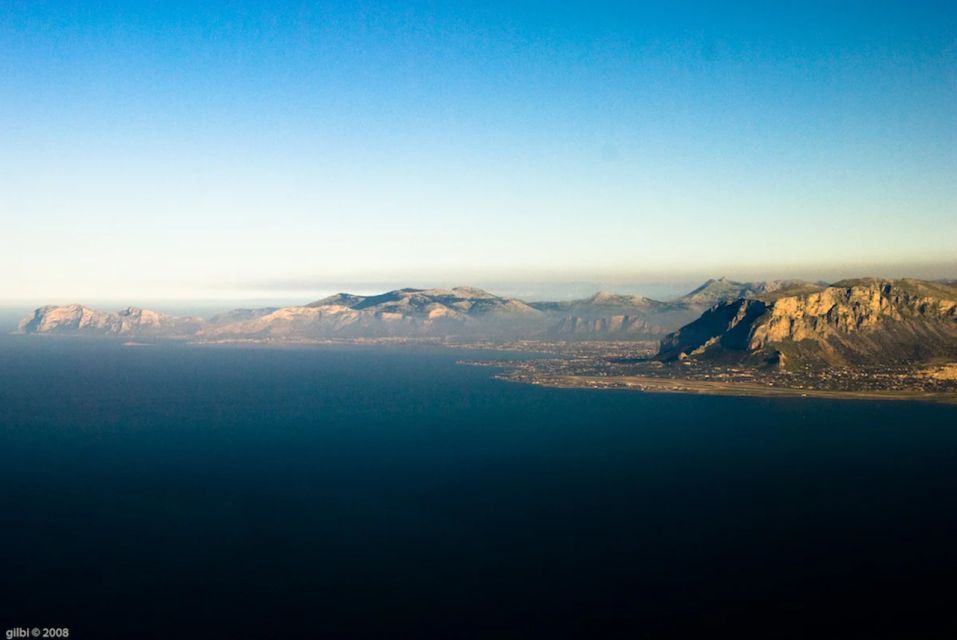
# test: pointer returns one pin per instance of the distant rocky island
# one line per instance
(868, 335)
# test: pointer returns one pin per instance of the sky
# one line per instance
(164, 150)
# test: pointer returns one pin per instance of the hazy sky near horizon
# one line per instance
(202, 150)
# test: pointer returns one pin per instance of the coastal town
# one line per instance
(629, 366)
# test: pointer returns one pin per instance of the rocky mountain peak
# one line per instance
(853, 320)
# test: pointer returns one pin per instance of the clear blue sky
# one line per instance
(204, 149)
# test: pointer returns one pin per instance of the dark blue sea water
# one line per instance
(160, 492)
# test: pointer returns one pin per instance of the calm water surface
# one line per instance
(159, 492)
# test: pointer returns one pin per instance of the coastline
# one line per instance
(716, 388)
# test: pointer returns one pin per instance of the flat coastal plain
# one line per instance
(725, 388)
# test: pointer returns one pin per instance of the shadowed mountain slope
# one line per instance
(721, 290)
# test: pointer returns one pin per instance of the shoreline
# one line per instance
(710, 387)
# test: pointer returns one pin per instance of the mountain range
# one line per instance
(460, 311)
(784, 323)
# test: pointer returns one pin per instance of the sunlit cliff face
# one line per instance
(838, 310)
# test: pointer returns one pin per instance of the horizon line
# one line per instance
(287, 297)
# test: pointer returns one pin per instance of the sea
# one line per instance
(186, 491)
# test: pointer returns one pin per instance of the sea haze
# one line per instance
(175, 490)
